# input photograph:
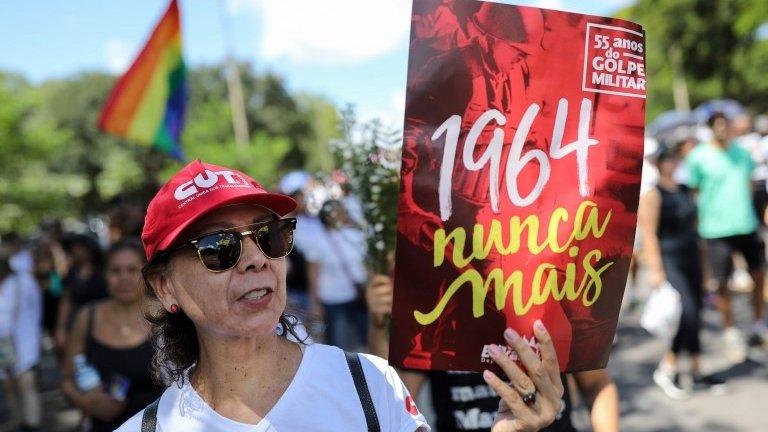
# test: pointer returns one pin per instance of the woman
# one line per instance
(113, 336)
(20, 337)
(216, 246)
(337, 277)
(668, 221)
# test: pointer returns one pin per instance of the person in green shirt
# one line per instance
(720, 172)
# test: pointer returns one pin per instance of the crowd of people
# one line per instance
(182, 310)
(702, 216)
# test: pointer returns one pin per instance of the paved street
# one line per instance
(645, 407)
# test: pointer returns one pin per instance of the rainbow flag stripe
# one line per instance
(147, 104)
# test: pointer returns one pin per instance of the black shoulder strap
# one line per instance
(149, 418)
(353, 361)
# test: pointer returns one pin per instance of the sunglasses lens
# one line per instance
(219, 251)
(276, 238)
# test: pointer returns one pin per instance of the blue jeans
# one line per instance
(346, 325)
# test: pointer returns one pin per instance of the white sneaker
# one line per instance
(735, 347)
(670, 384)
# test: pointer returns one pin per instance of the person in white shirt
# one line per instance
(215, 244)
(297, 185)
(20, 336)
(337, 277)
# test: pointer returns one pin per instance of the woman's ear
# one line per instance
(163, 287)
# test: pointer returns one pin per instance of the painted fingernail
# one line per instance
(511, 335)
(494, 349)
(487, 375)
(539, 326)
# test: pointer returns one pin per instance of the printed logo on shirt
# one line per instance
(471, 393)
(410, 406)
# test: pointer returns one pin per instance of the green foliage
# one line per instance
(287, 132)
(369, 154)
(57, 163)
(721, 55)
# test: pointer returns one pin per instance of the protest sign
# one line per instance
(523, 144)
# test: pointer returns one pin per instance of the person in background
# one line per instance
(126, 216)
(720, 174)
(308, 230)
(747, 137)
(20, 338)
(51, 264)
(83, 283)
(297, 280)
(464, 401)
(668, 218)
(352, 204)
(648, 179)
(106, 371)
(337, 277)
(683, 147)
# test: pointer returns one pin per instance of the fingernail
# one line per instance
(511, 335)
(487, 375)
(494, 349)
(539, 326)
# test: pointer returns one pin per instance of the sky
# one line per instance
(350, 51)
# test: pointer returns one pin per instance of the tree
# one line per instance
(29, 190)
(57, 163)
(716, 44)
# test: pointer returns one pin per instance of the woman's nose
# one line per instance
(252, 256)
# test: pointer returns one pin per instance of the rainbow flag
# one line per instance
(147, 104)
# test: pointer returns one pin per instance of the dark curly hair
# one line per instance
(174, 336)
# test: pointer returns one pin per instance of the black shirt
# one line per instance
(133, 364)
(464, 402)
(677, 221)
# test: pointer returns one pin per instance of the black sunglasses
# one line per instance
(221, 250)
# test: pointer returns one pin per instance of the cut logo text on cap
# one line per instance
(206, 180)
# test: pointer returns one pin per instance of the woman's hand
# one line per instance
(532, 400)
(378, 296)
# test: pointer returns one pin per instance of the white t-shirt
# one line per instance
(321, 397)
(21, 312)
(340, 258)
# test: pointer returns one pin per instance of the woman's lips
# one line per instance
(256, 298)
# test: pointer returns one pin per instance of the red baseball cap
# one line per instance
(194, 191)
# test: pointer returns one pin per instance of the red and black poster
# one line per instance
(523, 143)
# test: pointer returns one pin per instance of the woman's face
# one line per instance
(668, 165)
(124, 275)
(245, 300)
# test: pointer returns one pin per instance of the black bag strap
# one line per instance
(353, 361)
(149, 418)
